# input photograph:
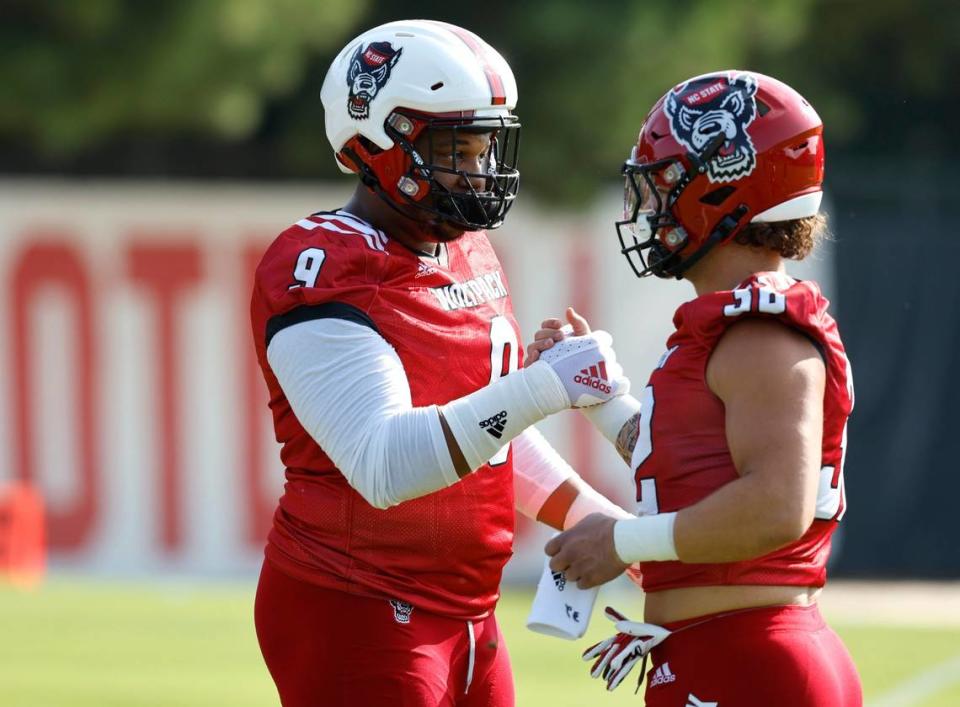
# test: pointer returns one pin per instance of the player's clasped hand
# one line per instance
(553, 330)
(586, 365)
(586, 552)
(615, 657)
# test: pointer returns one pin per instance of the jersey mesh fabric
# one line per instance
(443, 552)
(690, 459)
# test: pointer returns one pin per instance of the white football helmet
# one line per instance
(392, 83)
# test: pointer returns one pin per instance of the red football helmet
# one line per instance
(717, 152)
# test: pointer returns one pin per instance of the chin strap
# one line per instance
(672, 264)
(370, 180)
(727, 225)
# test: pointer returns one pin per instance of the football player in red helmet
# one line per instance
(738, 448)
(385, 334)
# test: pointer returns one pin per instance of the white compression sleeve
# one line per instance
(588, 501)
(538, 470)
(348, 389)
(610, 417)
(485, 420)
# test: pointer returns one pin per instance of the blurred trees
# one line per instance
(78, 74)
(588, 72)
(230, 87)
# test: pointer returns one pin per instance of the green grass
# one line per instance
(78, 644)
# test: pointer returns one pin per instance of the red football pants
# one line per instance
(770, 657)
(325, 647)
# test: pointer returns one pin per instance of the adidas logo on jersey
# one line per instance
(662, 675)
(423, 270)
(496, 424)
(594, 377)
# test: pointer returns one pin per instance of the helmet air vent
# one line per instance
(717, 196)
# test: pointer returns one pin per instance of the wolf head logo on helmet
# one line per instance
(369, 70)
(716, 153)
(702, 108)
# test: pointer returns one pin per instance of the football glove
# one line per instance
(615, 657)
(588, 369)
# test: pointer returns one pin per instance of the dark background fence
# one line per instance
(899, 312)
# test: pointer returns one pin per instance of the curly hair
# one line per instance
(792, 239)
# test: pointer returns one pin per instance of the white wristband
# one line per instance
(610, 417)
(645, 539)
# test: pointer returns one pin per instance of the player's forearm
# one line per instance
(485, 420)
(460, 464)
(479, 424)
(554, 510)
(573, 501)
(618, 421)
(744, 519)
(627, 439)
(547, 489)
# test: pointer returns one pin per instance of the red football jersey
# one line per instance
(682, 454)
(451, 322)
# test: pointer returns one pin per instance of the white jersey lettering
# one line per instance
(472, 293)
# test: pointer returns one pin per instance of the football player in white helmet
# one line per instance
(428, 126)
(387, 340)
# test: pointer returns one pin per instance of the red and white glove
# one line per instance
(588, 369)
(615, 657)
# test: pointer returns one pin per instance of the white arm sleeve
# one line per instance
(348, 389)
(538, 471)
(610, 417)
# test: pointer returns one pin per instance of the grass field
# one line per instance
(85, 644)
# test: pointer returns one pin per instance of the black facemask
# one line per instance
(473, 209)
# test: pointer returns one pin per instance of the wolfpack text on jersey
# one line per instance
(472, 293)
